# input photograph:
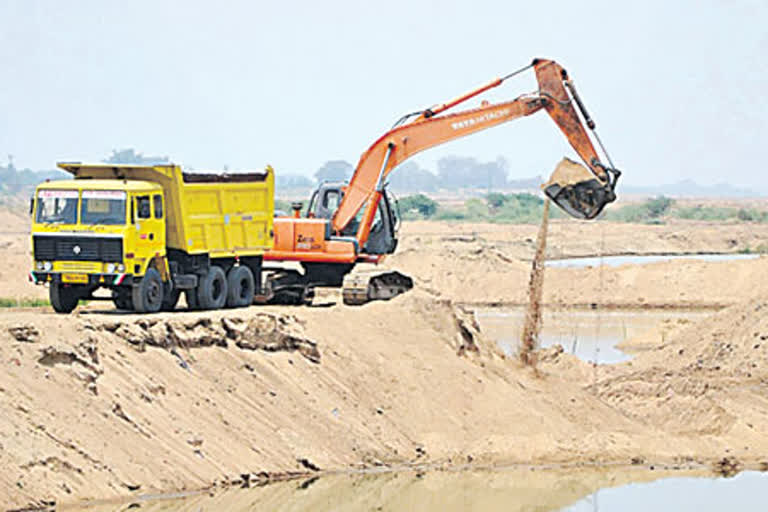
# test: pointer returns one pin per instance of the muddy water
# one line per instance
(501, 490)
(591, 335)
(615, 261)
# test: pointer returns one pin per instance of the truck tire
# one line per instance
(148, 293)
(64, 299)
(212, 289)
(241, 287)
(122, 298)
(191, 296)
(170, 297)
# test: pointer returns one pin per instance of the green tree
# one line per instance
(420, 203)
(658, 206)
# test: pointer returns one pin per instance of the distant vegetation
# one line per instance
(520, 208)
(524, 208)
(660, 209)
(6, 302)
(15, 182)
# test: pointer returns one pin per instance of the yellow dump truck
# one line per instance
(149, 232)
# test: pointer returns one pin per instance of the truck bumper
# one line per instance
(108, 280)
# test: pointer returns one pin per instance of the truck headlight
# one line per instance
(110, 268)
(120, 267)
(47, 266)
(39, 265)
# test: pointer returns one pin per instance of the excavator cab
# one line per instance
(325, 199)
(383, 236)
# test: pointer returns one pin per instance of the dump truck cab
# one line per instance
(148, 233)
(91, 233)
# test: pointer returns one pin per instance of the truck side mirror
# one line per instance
(31, 205)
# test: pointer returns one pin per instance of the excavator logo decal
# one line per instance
(480, 119)
(307, 243)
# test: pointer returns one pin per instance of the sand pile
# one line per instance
(709, 379)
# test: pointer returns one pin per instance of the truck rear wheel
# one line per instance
(191, 296)
(212, 289)
(241, 286)
(64, 299)
(148, 293)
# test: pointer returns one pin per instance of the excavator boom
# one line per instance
(584, 198)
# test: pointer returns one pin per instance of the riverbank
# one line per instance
(99, 405)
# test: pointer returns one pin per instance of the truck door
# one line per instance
(148, 216)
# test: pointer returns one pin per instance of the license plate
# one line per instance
(75, 278)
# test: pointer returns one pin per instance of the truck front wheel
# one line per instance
(122, 298)
(148, 293)
(212, 289)
(64, 299)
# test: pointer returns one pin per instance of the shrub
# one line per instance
(419, 204)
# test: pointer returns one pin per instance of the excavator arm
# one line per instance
(581, 195)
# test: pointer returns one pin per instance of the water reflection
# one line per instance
(487, 491)
(591, 335)
(744, 492)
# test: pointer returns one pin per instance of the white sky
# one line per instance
(677, 88)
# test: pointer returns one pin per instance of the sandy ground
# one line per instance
(100, 405)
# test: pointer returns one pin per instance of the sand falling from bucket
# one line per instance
(532, 326)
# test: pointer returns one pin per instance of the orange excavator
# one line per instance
(353, 223)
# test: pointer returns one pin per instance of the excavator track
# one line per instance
(362, 287)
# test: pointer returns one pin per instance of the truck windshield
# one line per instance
(103, 207)
(56, 207)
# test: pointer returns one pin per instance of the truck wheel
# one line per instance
(122, 299)
(170, 298)
(64, 299)
(241, 287)
(191, 296)
(148, 293)
(212, 289)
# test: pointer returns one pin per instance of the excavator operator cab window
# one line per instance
(325, 201)
(331, 200)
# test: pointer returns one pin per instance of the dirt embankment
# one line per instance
(489, 269)
(100, 405)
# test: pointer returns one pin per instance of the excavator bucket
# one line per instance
(577, 191)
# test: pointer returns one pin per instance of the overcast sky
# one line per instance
(678, 89)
